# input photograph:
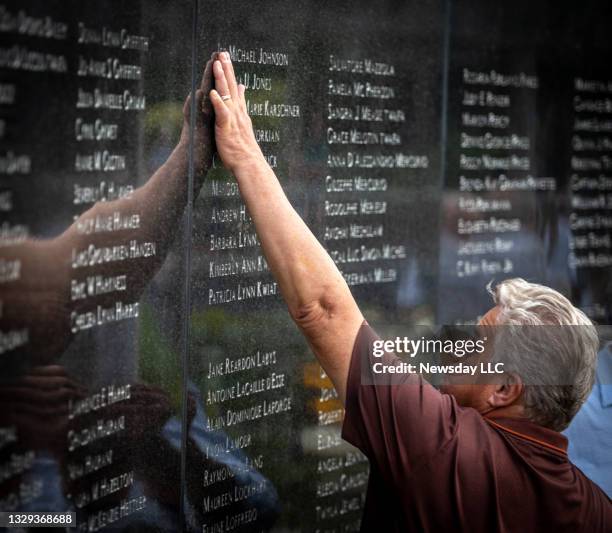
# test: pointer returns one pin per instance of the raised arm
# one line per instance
(316, 294)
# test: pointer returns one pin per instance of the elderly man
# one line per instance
(474, 458)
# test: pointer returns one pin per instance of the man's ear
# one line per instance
(507, 391)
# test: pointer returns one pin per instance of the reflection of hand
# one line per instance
(234, 135)
(37, 405)
(203, 138)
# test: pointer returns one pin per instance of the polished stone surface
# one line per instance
(92, 306)
(151, 379)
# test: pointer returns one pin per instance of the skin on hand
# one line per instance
(234, 134)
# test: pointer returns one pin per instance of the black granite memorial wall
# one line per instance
(151, 378)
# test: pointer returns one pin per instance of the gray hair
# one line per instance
(557, 364)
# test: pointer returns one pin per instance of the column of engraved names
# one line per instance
(109, 100)
(341, 469)
(366, 154)
(31, 51)
(590, 217)
(495, 170)
(366, 157)
(96, 442)
(237, 270)
(246, 391)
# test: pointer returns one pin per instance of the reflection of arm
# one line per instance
(158, 204)
(318, 298)
(42, 299)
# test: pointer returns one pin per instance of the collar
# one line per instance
(604, 375)
(529, 431)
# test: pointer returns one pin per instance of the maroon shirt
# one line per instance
(436, 466)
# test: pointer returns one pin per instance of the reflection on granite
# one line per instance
(151, 377)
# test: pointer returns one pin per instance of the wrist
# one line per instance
(249, 164)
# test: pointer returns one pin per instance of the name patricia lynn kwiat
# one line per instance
(430, 368)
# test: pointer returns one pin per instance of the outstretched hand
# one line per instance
(234, 134)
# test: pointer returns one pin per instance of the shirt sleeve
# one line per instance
(398, 425)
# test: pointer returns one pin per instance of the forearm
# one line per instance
(315, 291)
(303, 269)
(50, 285)
(156, 204)
(149, 217)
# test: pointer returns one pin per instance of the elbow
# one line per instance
(313, 316)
